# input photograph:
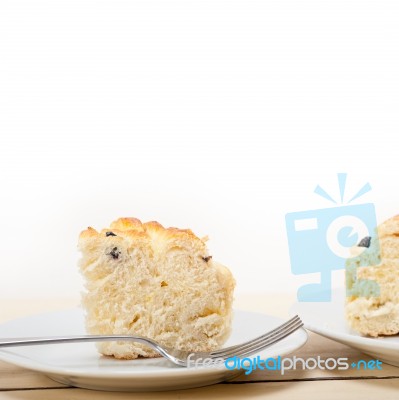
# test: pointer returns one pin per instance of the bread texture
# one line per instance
(372, 303)
(161, 283)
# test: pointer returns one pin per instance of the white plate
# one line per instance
(328, 319)
(79, 364)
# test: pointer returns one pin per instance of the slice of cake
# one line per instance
(161, 283)
(372, 303)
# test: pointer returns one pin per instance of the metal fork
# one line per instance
(179, 357)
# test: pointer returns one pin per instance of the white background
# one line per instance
(221, 116)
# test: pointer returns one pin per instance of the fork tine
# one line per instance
(294, 325)
(260, 346)
(257, 339)
(262, 341)
(271, 341)
(248, 350)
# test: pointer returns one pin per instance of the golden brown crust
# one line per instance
(89, 232)
(126, 224)
(134, 228)
(389, 227)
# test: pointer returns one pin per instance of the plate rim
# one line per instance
(347, 337)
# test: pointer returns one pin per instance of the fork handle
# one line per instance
(29, 341)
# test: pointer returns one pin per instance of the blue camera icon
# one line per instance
(321, 241)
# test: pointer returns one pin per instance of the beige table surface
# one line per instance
(19, 383)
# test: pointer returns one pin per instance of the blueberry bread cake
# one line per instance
(147, 280)
(372, 303)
